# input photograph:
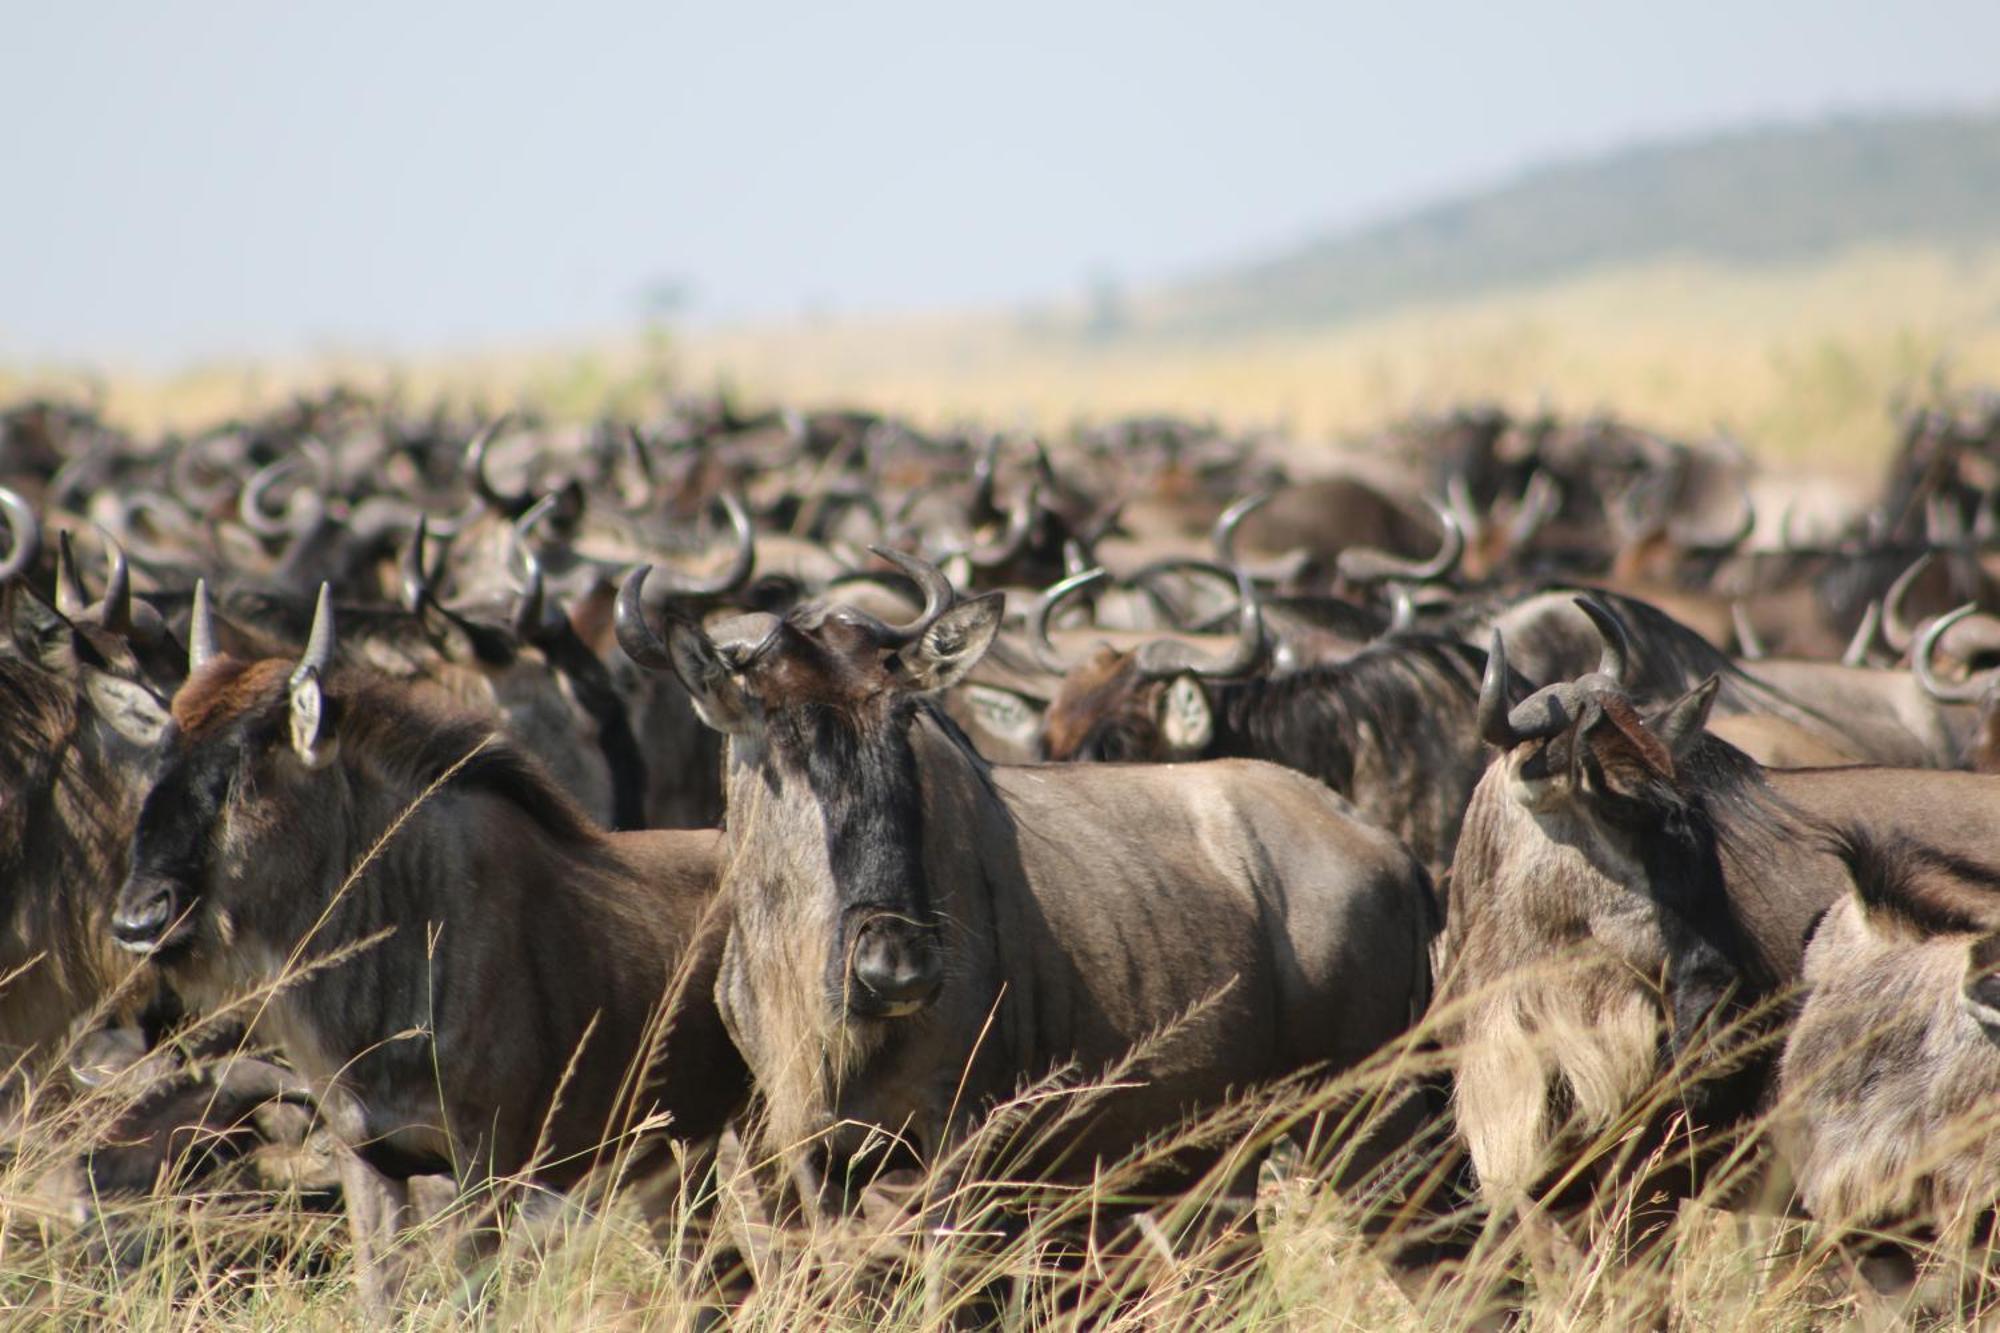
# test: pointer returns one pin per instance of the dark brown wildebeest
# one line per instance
(1390, 728)
(300, 811)
(1891, 1076)
(1623, 886)
(77, 723)
(915, 932)
(1856, 713)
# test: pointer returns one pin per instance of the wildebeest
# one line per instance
(1390, 727)
(1892, 1071)
(914, 931)
(1626, 884)
(302, 810)
(77, 722)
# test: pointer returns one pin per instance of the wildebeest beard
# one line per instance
(863, 777)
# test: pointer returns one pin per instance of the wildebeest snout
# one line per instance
(148, 906)
(895, 967)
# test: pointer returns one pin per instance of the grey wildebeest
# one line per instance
(303, 810)
(1625, 886)
(1891, 1076)
(1390, 728)
(916, 932)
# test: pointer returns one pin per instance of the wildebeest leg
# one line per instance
(1885, 1282)
(1700, 982)
(377, 1210)
(741, 1204)
(684, 1208)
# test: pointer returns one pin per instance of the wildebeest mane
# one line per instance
(1916, 888)
(1402, 689)
(1717, 812)
(414, 744)
(36, 714)
(396, 735)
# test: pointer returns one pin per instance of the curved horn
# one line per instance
(250, 507)
(1547, 711)
(1944, 521)
(983, 471)
(24, 529)
(319, 642)
(1044, 606)
(527, 622)
(1402, 610)
(1363, 564)
(523, 524)
(71, 599)
(642, 463)
(1985, 523)
(1165, 657)
(1895, 629)
(1541, 500)
(201, 630)
(181, 480)
(740, 567)
(415, 576)
(638, 638)
(1856, 653)
(1964, 692)
(1224, 535)
(1617, 653)
(116, 614)
(1020, 521)
(245, 1078)
(1746, 634)
(937, 590)
(475, 470)
(1458, 494)
(1494, 688)
(1746, 523)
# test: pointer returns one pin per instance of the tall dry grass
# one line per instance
(1264, 1237)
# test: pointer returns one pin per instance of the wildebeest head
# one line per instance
(818, 706)
(1148, 705)
(1583, 744)
(1599, 827)
(244, 746)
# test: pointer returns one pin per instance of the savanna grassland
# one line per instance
(1801, 359)
(1798, 361)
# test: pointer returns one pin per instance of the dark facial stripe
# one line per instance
(864, 780)
(172, 839)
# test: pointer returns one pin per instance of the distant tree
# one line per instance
(1106, 312)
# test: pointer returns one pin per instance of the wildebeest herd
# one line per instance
(574, 801)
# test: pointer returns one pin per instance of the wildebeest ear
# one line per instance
(42, 633)
(1187, 724)
(312, 740)
(1680, 724)
(718, 699)
(955, 641)
(1629, 755)
(1005, 714)
(127, 707)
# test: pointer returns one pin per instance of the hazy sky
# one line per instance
(192, 178)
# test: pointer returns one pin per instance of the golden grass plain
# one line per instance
(1800, 362)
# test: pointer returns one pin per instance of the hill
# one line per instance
(1751, 197)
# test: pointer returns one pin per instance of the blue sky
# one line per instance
(203, 178)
